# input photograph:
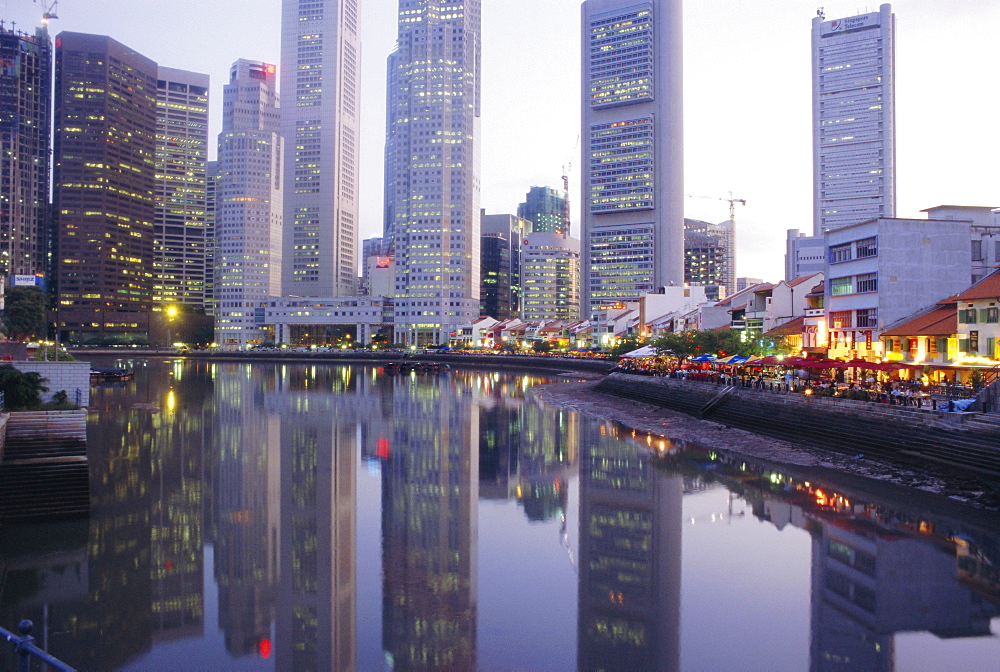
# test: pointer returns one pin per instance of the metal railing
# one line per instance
(24, 647)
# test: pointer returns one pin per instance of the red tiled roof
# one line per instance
(987, 288)
(788, 328)
(941, 321)
(795, 282)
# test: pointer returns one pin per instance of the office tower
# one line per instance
(500, 264)
(435, 168)
(706, 255)
(25, 123)
(320, 53)
(550, 277)
(211, 194)
(388, 172)
(179, 263)
(104, 177)
(633, 182)
(371, 251)
(547, 209)
(854, 119)
(248, 211)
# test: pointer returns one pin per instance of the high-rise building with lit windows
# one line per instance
(25, 126)
(854, 119)
(104, 178)
(547, 209)
(181, 152)
(320, 70)
(248, 222)
(434, 131)
(633, 182)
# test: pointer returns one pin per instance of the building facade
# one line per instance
(104, 179)
(434, 125)
(550, 277)
(211, 203)
(248, 219)
(179, 260)
(633, 218)
(854, 119)
(500, 266)
(707, 256)
(25, 125)
(320, 66)
(547, 209)
(883, 270)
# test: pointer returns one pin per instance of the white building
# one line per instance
(248, 204)
(550, 277)
(883, 270)
(320, 61)
(179, 226)
(434, 167)
(854, 124)
(632, 149)
(985, 243)
(321, 321)
(804, 254)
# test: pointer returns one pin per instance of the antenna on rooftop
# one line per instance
(820, 14)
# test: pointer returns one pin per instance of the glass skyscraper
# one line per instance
(25, 108)
(320, 62)
(633, 182)
(854, 119)
(434, 168)
(181, 153)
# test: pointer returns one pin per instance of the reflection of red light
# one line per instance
(383, 448)
(168, 565)
(265, 648)
(556, 484)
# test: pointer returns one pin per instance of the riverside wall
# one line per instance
(915, 436)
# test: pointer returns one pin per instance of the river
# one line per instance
(260, 516)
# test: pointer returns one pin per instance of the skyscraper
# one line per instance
(248, 210)
(706, 256)
(181, 152)
(25, 107)
(547, 208)
(500, 264)
(211, 203)
(320, 53)
(104, 177)
(854, 119)
(435, 168)
(550, 277)
(633, 182)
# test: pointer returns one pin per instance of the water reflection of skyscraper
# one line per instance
(630, 557)
(429, 536)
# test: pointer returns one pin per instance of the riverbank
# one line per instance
(981, 493)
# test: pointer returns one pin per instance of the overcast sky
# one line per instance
(747, 97)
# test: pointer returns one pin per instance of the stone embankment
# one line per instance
(894, 434)
(43, 466)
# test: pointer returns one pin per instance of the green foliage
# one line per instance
(21, 389)
(716, 342)
(541, 346)
(45, 353)
(625, 345)
(24, 314)
(977, 379)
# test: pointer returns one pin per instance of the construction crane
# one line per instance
(730, 237)
(50, 11)
(566, 169)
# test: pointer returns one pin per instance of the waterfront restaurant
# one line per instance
(954, 338)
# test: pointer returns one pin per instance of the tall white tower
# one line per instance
(181, 154)
(434, 141)
(632, 137)
(248, 204)
(854, 119)
(320, 59)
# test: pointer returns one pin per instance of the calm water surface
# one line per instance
(299, 516)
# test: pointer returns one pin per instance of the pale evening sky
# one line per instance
(747, 97)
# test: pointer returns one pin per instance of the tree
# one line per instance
(541, 346)
(21, 389)
(24, 313)
(718, 342)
